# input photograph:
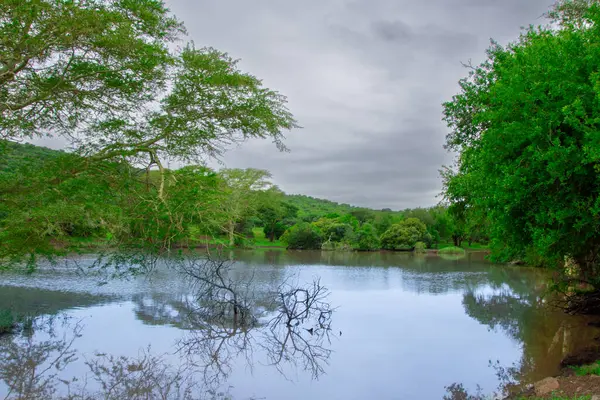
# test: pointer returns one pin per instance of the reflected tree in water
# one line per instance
(35, 369)
(228, 318)
(290, 324)
(30, 368)
(516, 304)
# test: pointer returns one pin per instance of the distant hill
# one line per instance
(14, 156)
(18, 155)
(318, 207)
(310, 206)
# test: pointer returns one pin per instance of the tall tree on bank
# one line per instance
(240, 196)
(526, 127)
(211, 105)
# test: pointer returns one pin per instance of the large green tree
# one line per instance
(66, 63)
(101, 74)
(526, 127)
(211, 105)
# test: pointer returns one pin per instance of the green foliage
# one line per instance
(311, 209)
(64, 63)
(275, 231)
(276, 214)
(303, 236)
(367, 239)
(526, 126)
(592, 369)
(452, 250)
(383, 222)
(363, 215)
(420, 247)
(333, 230)
(404, 235)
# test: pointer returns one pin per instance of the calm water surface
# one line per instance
(404, 327)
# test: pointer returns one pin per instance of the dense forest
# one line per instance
(111, 205)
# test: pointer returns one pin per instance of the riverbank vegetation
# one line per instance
(57, 201)
(525, 128)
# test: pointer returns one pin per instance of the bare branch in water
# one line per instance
(297, 334)
(219, 297)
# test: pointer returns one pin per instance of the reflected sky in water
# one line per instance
(410, 325)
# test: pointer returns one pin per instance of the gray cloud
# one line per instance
(365, 79)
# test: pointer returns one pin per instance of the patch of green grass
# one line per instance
(591, 369)
(451, 250)
(261, 241)
(557, 397)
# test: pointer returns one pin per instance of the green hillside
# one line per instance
(14, 156)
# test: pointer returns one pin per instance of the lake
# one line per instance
(397, 326)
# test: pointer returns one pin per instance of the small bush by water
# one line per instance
(451, 250)
(420, 247)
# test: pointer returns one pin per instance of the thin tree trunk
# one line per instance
(161, 189)
(231, 234)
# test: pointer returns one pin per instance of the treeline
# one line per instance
(54, 199)
(367, 230)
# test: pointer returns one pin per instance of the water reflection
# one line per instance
(226, 315)
(518, 305)
(406, 321)
(34, 366)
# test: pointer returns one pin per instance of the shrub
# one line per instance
(451, 250)
(592, 369)
(334, 230)
(366, 238)
(405, 235)
(420, 247)
(303, 236)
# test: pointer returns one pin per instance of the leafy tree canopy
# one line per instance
(525, 125)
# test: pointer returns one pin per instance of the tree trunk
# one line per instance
(232, 235)
(161, 169)
(457, 240)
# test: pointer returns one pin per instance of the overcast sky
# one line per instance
(364, 78)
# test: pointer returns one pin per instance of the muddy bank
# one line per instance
(568, 383)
